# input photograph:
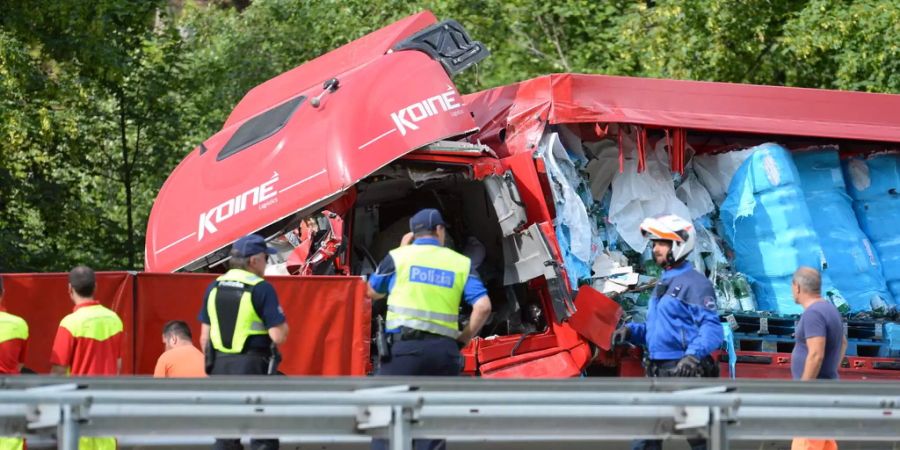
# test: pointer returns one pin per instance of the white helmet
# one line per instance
(671, 228)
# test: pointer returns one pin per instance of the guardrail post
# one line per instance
(401, 435)
(718, 430)
(67, 431)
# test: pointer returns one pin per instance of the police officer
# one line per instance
(682, 326)
(240, 320)
(426, 282)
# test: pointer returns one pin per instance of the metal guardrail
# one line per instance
(401, 409)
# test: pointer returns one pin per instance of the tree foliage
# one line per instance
(100, 100)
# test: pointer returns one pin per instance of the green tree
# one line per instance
(114, 64)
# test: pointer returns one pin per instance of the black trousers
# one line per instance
(431, 356)
(666, 369)
(243, 364)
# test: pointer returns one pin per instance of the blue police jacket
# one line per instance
(682, 318)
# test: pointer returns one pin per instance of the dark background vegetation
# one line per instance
(100, 99)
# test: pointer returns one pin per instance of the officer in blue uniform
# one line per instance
(425, 283)
(240, 320)
(682, 327)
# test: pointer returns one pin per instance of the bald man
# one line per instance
(820, 343)
(820, 334)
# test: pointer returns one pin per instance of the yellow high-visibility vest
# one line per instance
(428, 288)
(234, 285)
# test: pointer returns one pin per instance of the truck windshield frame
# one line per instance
(260, 127)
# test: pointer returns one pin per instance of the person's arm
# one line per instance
(279, 333)
(203, 318)
(22, 351)
(814, 357)
(380, 281)
(374, 295)
(480, 312)
(843, 348)
(61, 352)
(204, 337)
(475, 294)
(270, 311)
(637, 333)
(119, 338)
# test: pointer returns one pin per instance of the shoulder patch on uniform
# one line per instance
(709, 302)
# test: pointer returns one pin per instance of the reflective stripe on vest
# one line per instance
(12, 443)
(96, 443)
(93, 322)
(246, 322)
(12, 327)
(427, 289)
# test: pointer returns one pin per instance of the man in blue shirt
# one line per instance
(682, 327)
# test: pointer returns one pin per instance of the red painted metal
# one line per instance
(513, 112)
(313, 73)
(482, 166)
(774, 366)
(778, 366)
(551, 363)
(382, 111)
(530, 189)
(597, 316)
(500, 347)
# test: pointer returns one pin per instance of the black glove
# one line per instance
(688, 366)
(619, 336)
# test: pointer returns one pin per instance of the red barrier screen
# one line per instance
(329, 320)
(43, 300)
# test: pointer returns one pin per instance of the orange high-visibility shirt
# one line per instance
(180, 362)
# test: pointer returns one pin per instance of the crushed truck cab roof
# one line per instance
(291, 143)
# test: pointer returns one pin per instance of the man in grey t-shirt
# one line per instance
(820, 335)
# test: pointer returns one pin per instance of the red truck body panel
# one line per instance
(521, 110)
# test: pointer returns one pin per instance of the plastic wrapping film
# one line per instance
(851, 261)
(766, 221)
(716, 171)
(892, 335)
(576, 232)
(636, 196)
(874, 185)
